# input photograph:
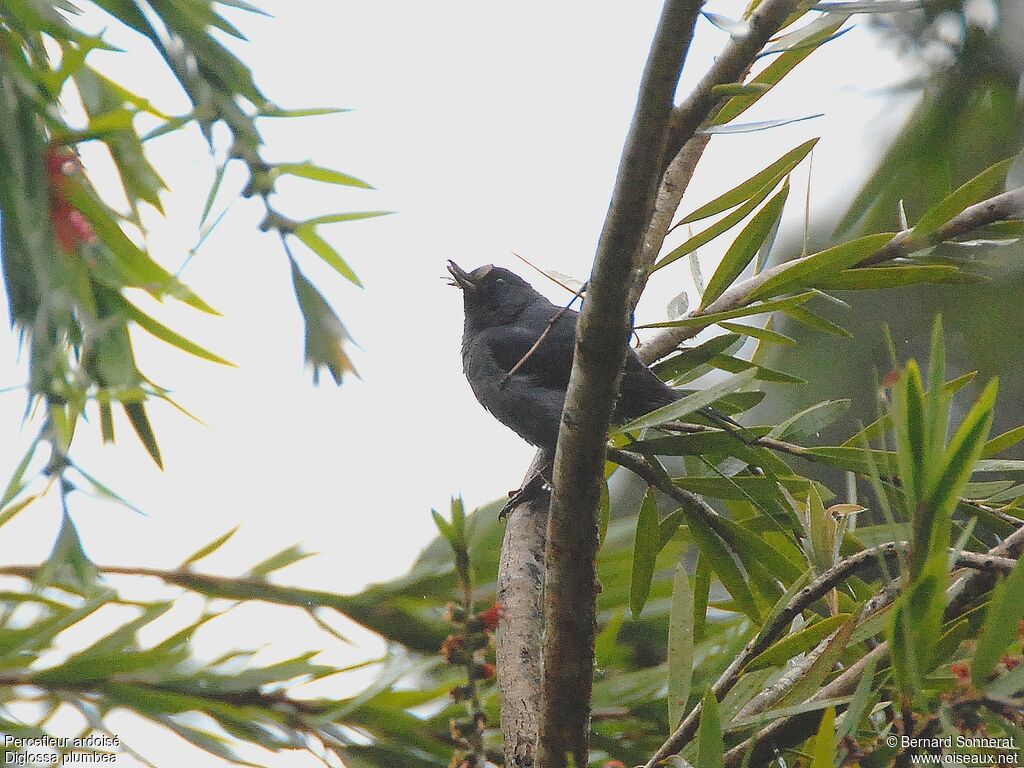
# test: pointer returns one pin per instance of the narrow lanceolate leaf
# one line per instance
(701, 321)
(858, 704)
(1001, 442)
(710, 744)
(760, 125)
(742, 192)
(646, 545)
(721, 226)
(909, 414)
(874, 278)
(317, 173)
(963, 452)
(308, 235)
(1001, 626)
(808, 271)
(209, 549)
(821, 668)
(799, 642)
(276, 562)
(335, 218)
(759, 333)
(974, 191)
(745, 246)
(815, 321)
(811, 421)
(680, 647)
(164, 333)
(690, 403)
(773, 74)
(825, 741)
(719, 558)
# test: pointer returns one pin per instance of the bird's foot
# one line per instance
(532, 489)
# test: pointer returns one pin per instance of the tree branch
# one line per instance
(602, 336)
(789, 731)
(1008, 205)
(517, 642)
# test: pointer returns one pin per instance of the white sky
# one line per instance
(489, 128)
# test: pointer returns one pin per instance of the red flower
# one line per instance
(961, 672)
(491, 616)
(1010, 662)
(69, 224)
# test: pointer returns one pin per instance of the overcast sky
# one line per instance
(489, 128)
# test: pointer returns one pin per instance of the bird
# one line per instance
(521, 382)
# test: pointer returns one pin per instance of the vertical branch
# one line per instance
(602, 336)
(520, 594)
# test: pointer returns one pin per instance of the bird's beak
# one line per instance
(460, 277)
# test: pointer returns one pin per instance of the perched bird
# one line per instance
(505, 317)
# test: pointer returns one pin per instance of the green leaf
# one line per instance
(334, 218)
(209, 549)
(646, 545)
(701, 593)
(703, 320)
(1001, 442)
(745, 247)
(276, 562)
(858, 704)
(755, 184)
(164, 333)
(874, 278)
(710, 744)
(815, 321)
(810, 421)
(16, 484)
(318, 173)
(959, 462)
(680, 647)
(798, 642)
(692, 357)
(974, 191)
(761, 373)
(690, 403)
(909, 414)
(809, 270)
(309, 237)
(719, 227)
(825, 741)
(756, 332)
(773, 74)
(821, 668)
(720, 560)
(136, 413)
(1000, 628)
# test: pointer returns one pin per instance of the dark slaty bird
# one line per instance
(504, 318)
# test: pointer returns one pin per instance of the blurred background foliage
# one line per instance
(783, 515)
(970, 59)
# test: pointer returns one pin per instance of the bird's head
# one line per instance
(491, 295)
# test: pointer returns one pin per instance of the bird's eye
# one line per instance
(500, 281)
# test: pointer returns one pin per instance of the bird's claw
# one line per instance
(531, 489)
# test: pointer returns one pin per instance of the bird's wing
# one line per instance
(549, 364)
